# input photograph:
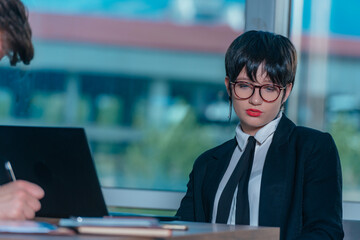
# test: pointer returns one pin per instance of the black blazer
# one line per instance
(301, 185)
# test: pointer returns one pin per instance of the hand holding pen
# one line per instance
(8, 167)
(19, 199)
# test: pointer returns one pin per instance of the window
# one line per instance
(145, 78)
(326, 95)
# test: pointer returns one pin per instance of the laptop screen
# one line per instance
(59, 160)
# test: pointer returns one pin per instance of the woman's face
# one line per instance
(254, 113)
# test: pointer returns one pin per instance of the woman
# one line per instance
(273, 173)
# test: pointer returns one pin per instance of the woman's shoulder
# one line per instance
(313, 137)
(308, 132)
(301, 136)
(305, 133)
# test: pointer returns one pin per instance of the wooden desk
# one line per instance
(196, 231)
(225, 232)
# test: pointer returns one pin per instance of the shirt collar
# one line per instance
(261, 135)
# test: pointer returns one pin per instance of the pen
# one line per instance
(8, 167)
(175, 226)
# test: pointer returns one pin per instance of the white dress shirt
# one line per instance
(263, 140)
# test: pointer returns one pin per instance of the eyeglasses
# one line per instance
(268, 92)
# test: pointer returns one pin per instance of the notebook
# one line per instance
(118, 226)
(59, 160)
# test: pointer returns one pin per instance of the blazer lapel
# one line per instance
(274, 175)
(216, 168)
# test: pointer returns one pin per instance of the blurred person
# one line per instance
(19, 199)
(273, 173)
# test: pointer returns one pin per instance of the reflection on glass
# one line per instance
(144, 77)
(328, 40)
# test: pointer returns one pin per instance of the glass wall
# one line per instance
(144, 77)
(326, 93)
(146, 80)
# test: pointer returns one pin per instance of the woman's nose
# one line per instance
(256, 99)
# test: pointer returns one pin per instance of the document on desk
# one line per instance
(109, 221)
(13, 226)
(120, 226)
(126, 231)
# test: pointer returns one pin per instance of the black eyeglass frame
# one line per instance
(257, 86)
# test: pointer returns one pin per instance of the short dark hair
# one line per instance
(15, 31)
(252, 48)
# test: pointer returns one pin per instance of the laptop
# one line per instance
(59, 160)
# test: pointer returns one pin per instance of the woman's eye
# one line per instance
(243, 85)
(270, 88)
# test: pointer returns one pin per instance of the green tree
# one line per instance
(347, 138)
(165, 155)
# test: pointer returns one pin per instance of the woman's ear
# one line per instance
(227, 85)
(2, 48)
(287, 92)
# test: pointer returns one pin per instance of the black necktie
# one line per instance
(240, 178)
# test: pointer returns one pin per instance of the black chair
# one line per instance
(351, 229)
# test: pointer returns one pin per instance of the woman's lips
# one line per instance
(253, 112)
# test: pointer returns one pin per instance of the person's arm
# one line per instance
(186, 212)
(19, 200)
(322, 203)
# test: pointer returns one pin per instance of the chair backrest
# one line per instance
(351, 229)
